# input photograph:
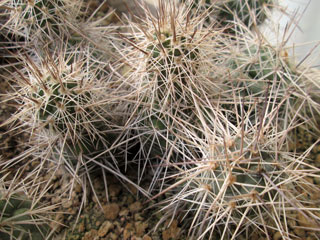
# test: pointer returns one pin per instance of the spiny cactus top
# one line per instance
(34, 17)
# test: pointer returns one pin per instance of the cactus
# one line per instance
(62, 101)
(64, 106)
(259, 71)
(238, 184)
(171, 63)
(227, 12)
(250, 12)
(18, 220)
(166, 82)
(43, 22)
(29, 18)
(20, 217)
(67, 101)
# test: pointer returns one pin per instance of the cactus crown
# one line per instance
(60, 103)
(35, 15)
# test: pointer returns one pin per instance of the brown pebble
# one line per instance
(146, 237)
(317, 159)
(172, 232)
(124, 212)
(81, 227)
(300, 232)
(138, 217)
(133, 189)
(98, 184)
(91, 235)
(112, 236)
(135, 207)
(140, 228)
(128, 231)
(67, 203)
(277, 236)
(78, 188)
(306, 222)
(111, 211)
(292, 223)
(104, 229)
(117, 228)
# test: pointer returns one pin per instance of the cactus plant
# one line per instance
(239, 185)
(20, 216)
(42, 22)
(26, 19)
(61, 99)
(166, 80)
(63, 104)
(250, 12)
(228, 12)
(18, 220)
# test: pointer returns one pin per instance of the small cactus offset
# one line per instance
(20, 217)
(228, 12)
(249, 12)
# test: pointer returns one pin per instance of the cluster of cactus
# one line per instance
(208, 108)
(67, 101)
(222, 115)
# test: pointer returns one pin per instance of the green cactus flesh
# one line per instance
(17, 220)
